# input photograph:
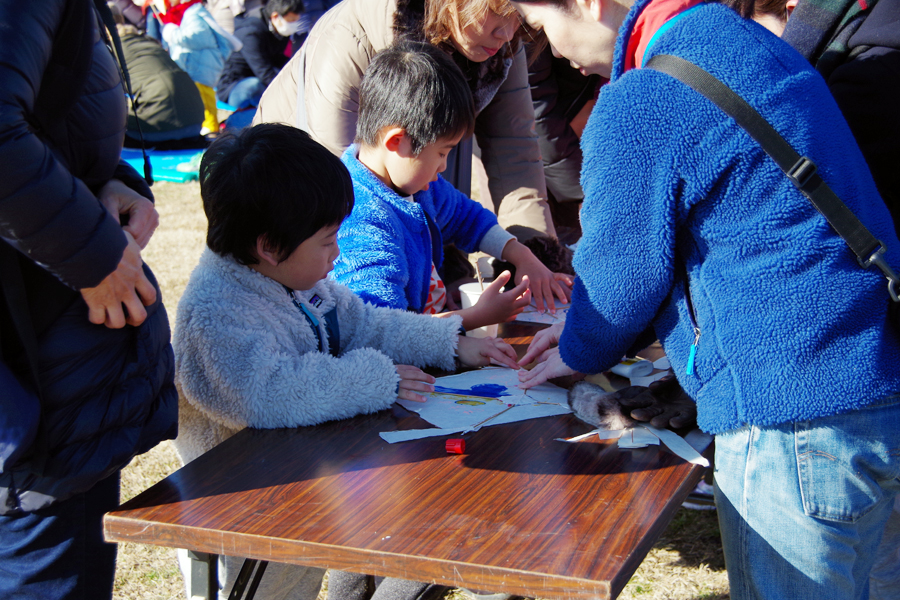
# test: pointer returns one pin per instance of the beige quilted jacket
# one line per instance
(333, 61)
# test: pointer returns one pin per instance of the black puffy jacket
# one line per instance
(107, 394)
(558, 92)
(867, 89)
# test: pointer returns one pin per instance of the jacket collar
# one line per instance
(242, 276)
(411, 213)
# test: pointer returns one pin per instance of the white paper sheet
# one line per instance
(468, 401)
(645, 381)
(642, 436)
(531, 314)
(662, 364)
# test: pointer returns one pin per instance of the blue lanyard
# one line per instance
(313, 322)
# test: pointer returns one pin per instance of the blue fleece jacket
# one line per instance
(388, 242)
(678, 196)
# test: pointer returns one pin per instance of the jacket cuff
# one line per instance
(97, 259)
(129, 176)
(495, 240)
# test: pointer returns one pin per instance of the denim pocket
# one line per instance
(844, 461)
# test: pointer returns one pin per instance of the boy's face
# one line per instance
(310, 262)
(584, 31)
(410, 173)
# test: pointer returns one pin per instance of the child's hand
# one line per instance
(478, 352)
(550, 366)
(413, 380)
(496, 306)
(544, 283)
(543, 339)
(567, 282)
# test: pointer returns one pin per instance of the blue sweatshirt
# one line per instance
(678, 197)
(388, 242)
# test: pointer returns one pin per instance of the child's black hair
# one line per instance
(418, 87)
(283, 7)
(273, 181)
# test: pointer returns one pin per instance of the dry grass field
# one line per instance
(685, 564)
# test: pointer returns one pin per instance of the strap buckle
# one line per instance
(802, 171)
(878, 260)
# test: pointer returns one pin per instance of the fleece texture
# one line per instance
(678, 197)
(388, 242)
(245, 356)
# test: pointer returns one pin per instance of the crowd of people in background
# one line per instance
(687, 233)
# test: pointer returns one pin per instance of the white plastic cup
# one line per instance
(469, 293)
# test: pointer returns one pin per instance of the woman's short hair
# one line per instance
(444, 17)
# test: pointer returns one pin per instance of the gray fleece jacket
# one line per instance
(246, 356)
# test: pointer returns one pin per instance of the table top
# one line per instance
(519, 512)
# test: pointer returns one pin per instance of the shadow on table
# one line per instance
(260, 459)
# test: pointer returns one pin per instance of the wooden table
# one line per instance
(519, 512)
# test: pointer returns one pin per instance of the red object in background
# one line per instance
(175, 13)
(456, 446)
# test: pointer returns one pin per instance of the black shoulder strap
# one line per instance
(799, 169)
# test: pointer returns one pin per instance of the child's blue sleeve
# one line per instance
(462, 221)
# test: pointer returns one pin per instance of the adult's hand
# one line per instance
(413, 380)
(119, 199)
(479, 352)
(550, 367)
(662, 404)
(127, 286)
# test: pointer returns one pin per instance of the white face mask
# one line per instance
(285, 28)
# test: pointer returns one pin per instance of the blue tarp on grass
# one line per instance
(165, 163)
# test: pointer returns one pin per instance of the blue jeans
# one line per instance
(58, 553)
(802, 506)
(246, 92)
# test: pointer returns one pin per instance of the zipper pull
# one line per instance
(693, 354)
(312, 318)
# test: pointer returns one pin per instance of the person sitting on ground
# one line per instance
(414, 107)
(168, 105)
(263, 339)
(200, 46)
(264, 34)
(224, 11)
